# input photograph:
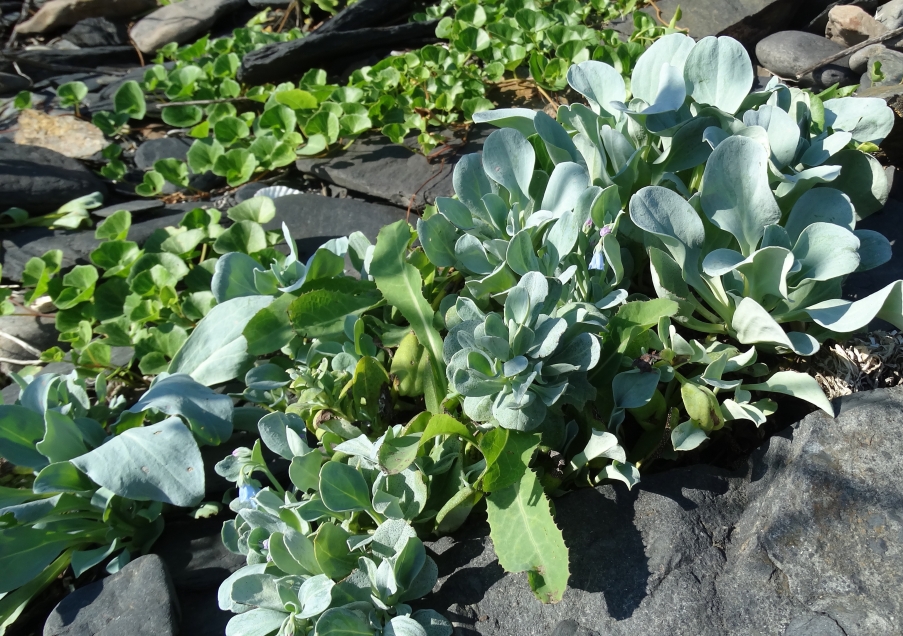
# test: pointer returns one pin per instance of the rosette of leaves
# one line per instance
(745, 204)
(663, 130)
(513, 217)
(101, 479)
(336, 551)
(512, 368)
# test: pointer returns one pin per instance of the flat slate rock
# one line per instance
(154, 150)
(180, 22)
(11, 84)
(366, 13)
(314, 219)
(745, 20)
(17, 246)
(136, 601)
(99, 31)
(282, 61)
(38, 331)
(41, 64)
(40, 180)
(135, 207)
(381, 169)
(806, 540)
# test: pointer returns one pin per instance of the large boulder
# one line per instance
(138, 600)
(806, 539)
(41, 180)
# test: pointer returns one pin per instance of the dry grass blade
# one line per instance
(861, 364)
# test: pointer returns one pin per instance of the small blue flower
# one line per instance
(605, 231)
(598, 262)
(246, 493)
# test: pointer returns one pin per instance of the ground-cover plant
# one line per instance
(148, 297)
(742, 206)
(242, 131)
(606, 289)
(553, 353)
(100, 479)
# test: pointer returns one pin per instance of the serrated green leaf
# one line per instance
(526, 538)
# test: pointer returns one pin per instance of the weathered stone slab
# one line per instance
(194, 553)
(398, 174)
(807, 539)
(745, 20)
(286, 61)
(180, 22)
(40, 180)
(313, 219)
(136, 601)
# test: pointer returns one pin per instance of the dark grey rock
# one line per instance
(806, 539)
(40, 64)
(98, 32)
(890, 14)
(205, 617)
(745, 20)
(194, 553)
(891, 69)
(788, 52)
(93, 81)
(41, 180)
(17, 246)
(135, 207)
(269, 3)
(164, 148)
(313, 219)
(38, 331)
(860, 59)
(153, 150)
(135, 74)
(378, 168)
(814, 625)
(136, 601)
(283, 61)
(366, 14)
(180, 22)
(11, 84)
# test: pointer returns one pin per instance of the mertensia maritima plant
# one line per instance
(615, 286)
(606, 289)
